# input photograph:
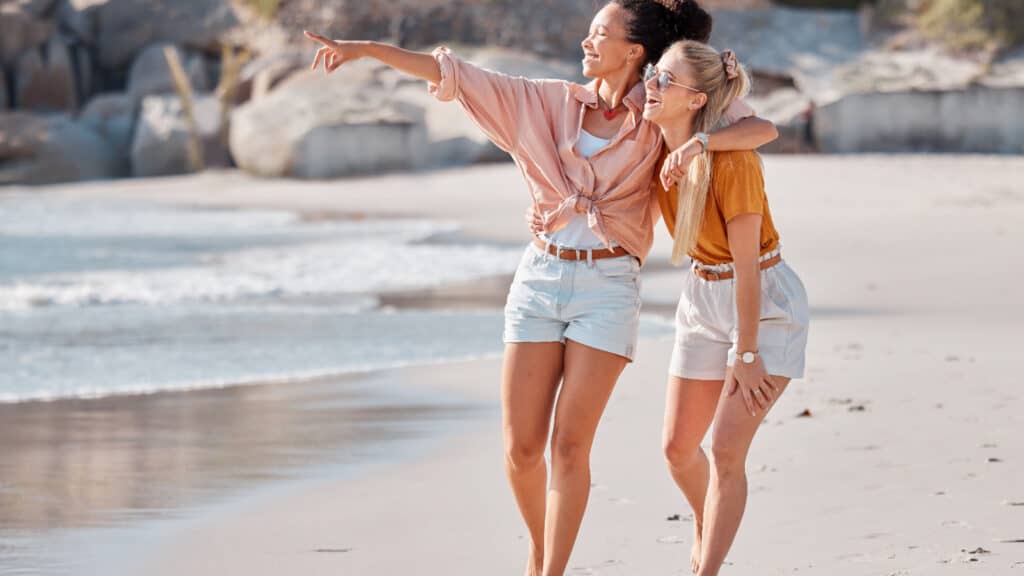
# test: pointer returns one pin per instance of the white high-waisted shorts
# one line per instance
(595, 303)
(706, 324)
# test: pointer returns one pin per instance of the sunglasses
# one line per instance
(664, 80)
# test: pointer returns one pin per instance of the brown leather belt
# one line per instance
(728, 274)
(580, 254)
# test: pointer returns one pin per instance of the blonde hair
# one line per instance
(723, 80)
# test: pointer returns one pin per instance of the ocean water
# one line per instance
(101, 297)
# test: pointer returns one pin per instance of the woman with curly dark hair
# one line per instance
(572, 315)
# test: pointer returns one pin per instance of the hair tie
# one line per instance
(730, 64)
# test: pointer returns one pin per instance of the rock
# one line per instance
(84, 73)
(112, 116)
(979, 119)
(161, 140)
(78, 17)
(47, 149)
(260, 75)
(37, 8)
(22, 31)
(150, 73)
(329, 130)
(125, 27)
(48, 86)
(786, 41)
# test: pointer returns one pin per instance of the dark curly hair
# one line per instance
(657, 24)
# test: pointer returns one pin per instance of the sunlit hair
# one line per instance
(710, 77)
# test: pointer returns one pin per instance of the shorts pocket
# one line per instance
(623, 267)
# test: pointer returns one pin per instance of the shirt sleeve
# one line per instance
(738, 182)
(738, 110)
(496, 102)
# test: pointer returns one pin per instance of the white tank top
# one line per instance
(577, 233)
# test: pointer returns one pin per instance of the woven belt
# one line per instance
(728, 274)
(580, 254)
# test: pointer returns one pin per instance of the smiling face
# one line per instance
(680, 99)
(606, 49)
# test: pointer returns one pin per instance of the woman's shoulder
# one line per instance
(737, 171)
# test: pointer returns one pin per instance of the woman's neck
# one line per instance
(614, 88)
(678, 132)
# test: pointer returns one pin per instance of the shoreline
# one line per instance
(907, 353)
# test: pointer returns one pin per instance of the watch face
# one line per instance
(748, 357)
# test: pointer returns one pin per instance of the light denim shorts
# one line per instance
(594, 303)
(706, 324)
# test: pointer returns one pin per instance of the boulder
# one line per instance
(125, 27)
(49, 85)
(151, 74)
(78, 18)
(22, 31)
(112, 116)
(161, 140)
(44, 149)
(37, 8)
(260, 75)
(324, 127)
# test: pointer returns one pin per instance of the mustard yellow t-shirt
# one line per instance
(737, 187)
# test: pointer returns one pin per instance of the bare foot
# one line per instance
(695, 551)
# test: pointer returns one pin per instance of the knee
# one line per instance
(728, 460)
(569, 452)
(523, 455)
(680, 453)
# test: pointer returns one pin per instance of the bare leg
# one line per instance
(689, 410)
(727, 492)
(589, 378)
(530, 378)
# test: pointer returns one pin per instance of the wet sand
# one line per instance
(899, 454)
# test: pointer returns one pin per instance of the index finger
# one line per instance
(325, 41)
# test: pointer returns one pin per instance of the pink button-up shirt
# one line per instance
(538, 122)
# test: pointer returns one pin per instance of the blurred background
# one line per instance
(225, 278)
(88, 91)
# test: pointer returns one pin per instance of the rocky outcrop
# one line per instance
(36, 149)
(314, 126)
(124, 27)
(151, 74)
(161, 140)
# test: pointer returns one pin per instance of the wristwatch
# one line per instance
(747, 357)
(702, 137)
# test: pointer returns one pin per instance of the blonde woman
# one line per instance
(741, 324)
(572, 314)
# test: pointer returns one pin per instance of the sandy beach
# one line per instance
(899, 454)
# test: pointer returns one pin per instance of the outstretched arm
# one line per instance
(334, 53)
(503, 106)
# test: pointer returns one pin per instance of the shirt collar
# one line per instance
(586, 94)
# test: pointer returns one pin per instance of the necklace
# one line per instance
(610, 113)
